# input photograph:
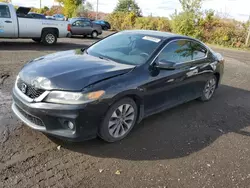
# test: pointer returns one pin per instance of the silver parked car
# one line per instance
(59, 17)
(84, 27)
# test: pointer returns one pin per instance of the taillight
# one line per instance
(69, 27)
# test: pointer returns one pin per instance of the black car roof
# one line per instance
(160, 34)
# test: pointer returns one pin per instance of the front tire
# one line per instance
(119, 120)
(49, 37)
(209, 89)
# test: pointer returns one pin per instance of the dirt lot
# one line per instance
(193, 145)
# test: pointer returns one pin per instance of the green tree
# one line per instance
(187, 22)
(5, 1)
(128, 6)
(191, 5)
(70, 6)
(36, 10)
(83, 10)
(44, 9)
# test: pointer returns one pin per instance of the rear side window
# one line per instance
(177, 52)
(86, 24)
(182, 51)
(199, 51)
(4, 11)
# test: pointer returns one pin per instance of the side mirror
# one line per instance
(166, 65)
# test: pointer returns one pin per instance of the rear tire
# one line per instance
(119, 120)
(105, 28)
(49, 37)
(37, 40)
(209, 89)
(94, 34)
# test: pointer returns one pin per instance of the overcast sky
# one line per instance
(238, 9)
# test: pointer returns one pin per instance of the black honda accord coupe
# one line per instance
(106, 89)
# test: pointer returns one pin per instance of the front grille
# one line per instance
(31, 91)
(31, 118)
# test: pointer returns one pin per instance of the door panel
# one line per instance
(200, 73)
(76, 27)
(165, 90)
(168, 88)
(200, 67)
(87, 27)
(7, 27)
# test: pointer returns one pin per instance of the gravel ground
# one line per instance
(193, 145)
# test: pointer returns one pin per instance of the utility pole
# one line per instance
(248, 35)
(97, 6)
(40, 4)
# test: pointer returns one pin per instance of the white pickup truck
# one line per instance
(16, 24)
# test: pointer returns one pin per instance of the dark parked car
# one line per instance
(84, 27)
(79, 18)
(35, 15)
(111, 86)
(105, 25)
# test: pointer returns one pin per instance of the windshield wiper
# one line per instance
(84, 50)
(105, 58)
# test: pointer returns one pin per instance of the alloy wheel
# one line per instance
(50, 38)
(210, 88)
(121, 120)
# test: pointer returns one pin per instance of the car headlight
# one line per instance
(63, 97)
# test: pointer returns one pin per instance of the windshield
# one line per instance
(126, 48)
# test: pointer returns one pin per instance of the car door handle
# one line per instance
(7, 21)
(193, 68)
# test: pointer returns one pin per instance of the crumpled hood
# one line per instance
(70, 70)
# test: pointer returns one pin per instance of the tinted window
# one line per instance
(177, 52)
(126, 48)
(198, 50)
(182, 51)
(38, 16)
(4, 11)
(86, 23)
(78, 23)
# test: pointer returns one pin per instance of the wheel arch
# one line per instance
(136, 97)
(50, 29)
(95, 31)
(217, 75)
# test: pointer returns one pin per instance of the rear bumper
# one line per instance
(52, 118)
